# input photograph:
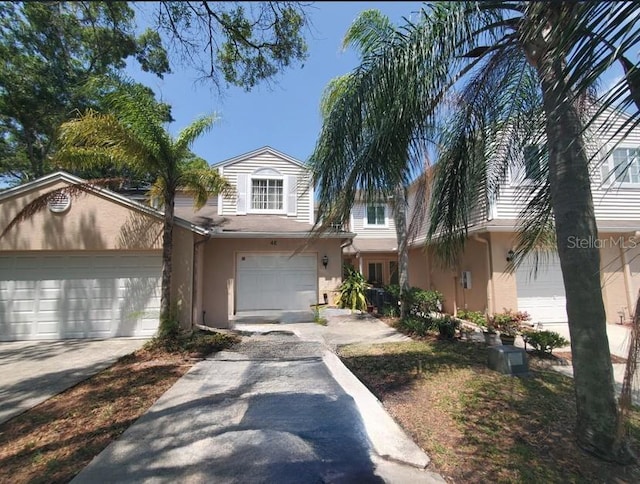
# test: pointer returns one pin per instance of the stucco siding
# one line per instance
(91, 223)
(219, 271)
(284, 168)
(418, 268)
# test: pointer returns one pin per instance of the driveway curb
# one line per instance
(387, 438)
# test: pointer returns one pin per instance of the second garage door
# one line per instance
(79, 295)
(276, 281)
(542, 294)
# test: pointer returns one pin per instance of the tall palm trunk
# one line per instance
(399, 207)
(167, 250)
(573, 210)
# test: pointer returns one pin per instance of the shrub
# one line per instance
(389, 311)
(475, 317)
(417, 326)
(352, 290)
(420, 303)
(544, 341)
(447, 326)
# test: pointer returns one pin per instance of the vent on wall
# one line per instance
(59, 202)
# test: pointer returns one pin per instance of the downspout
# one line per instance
(194, 281)
(627, 280)
(490, 295)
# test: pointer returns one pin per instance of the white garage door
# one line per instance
(542, 294)
(72, 295)
(276, 281)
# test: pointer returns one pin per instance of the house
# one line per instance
(374, 249)
(482, 279)
(89, 266)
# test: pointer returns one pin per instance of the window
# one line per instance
(375, 274)
(626, 165)
(534, 159)
(266, 194)
(375, 215)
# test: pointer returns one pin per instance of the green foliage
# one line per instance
(509, 322)
(239, 43)
(447, 326)
(389, 311)
(414, 325)
(544, 341)
(353, 290)
(52, 53)
(317, 316)
(419, 301)
(475, 317)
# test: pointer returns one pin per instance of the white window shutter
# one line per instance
(242, 189)
(292, 195)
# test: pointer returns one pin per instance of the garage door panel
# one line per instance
(79, 295)
(276, 281)
(541, 292)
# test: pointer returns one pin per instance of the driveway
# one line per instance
(33, 371)
(278, 408)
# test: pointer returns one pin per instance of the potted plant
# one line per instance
(508, 325)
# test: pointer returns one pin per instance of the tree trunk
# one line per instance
(575, 221)
(399, 207)
(167, 251)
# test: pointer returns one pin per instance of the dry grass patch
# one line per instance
(478, 425)
(55, 440)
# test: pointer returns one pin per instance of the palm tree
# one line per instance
(496, 76)
(131, 136)
(368, 34)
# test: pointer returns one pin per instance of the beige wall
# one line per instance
(219, 271)
(91, 223)
(504, 282)
(490, 292)
(418, 268)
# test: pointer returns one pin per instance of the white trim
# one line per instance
(220, 197)
(278, 177)
(311, 203)
(365, 220)
(610, 164)
(104, 192)
(260, 151)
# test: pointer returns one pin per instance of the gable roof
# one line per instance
(104, 192)
(258, 152)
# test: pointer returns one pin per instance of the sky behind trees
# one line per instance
(285, 115)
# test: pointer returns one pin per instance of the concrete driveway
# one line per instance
(33, 371)
(277, 408)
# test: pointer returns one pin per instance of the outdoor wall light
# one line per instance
(510, 255)
(325, 261)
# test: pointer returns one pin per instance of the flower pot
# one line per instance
(507, 339)
(492, 339)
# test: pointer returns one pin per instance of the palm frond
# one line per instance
(202, 183)
(192, 132)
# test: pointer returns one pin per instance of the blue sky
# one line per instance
(285, 115)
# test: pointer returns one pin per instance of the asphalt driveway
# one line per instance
(276, 408)
(33, 371)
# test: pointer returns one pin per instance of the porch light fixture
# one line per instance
(510, 255)
(325, 261)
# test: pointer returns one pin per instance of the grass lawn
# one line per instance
(476, 424)
(55, 440)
